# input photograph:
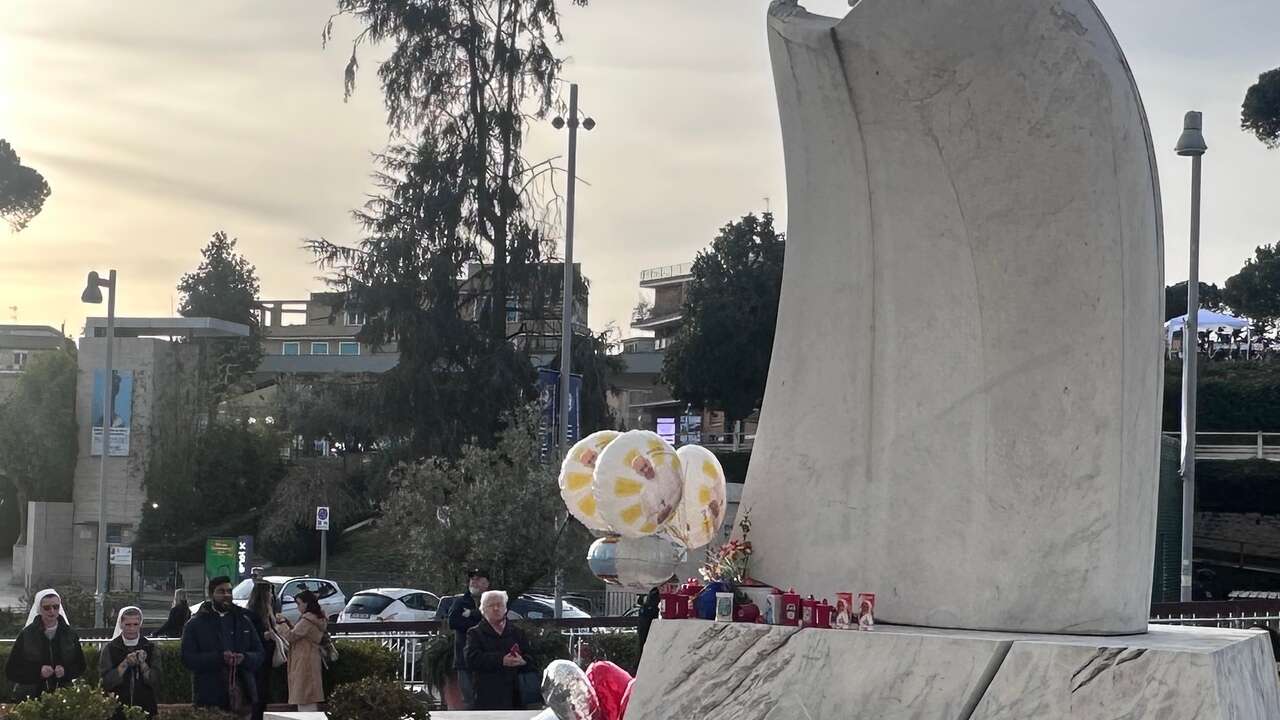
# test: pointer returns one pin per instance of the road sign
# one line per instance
(322, 517)
(121, 555)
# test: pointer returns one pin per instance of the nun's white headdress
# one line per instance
(132, 609)
(34, 613)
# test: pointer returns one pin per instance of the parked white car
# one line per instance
(332, 600)
(390, 605)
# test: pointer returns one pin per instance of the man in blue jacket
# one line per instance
(464, 614)
(222, 650)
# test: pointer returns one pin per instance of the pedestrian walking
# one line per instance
(130, 666)
(179, 614)
(46, 654)
(264, 618)
(306, 667)
(222, 649)
(464, 614)
(497, 652)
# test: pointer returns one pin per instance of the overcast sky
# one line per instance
(157, 123)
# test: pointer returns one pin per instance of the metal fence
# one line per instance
(1233, 614)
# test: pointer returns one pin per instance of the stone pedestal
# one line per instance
(699, 669)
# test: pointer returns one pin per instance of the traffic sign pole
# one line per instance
(322, 524)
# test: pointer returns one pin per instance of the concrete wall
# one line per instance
(48, 558)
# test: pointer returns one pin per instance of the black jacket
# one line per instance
(461, 621)
(178, 617)
(134, 688)
(202, 648)
(497, 687)
(33, 650)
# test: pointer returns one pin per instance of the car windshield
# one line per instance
(243, 590)
(368, 603)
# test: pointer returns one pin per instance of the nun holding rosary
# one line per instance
(130, 665)
(46, 655)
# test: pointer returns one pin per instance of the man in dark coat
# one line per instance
(497, 652)
(222, 649)
(464, 614)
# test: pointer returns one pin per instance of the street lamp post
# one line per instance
(566, 309)
(93, 294)
(1190, 144)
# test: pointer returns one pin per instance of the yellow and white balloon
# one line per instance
(633, 485)
(576, 477)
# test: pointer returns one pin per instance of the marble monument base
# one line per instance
(700, 669)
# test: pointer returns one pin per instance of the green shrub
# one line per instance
(77, 600)
(78, 701)
(358, 659)
(11, 622)
(375, 699)
(361, 659)
(621, 649)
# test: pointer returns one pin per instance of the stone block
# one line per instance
(699, 669)
(963, 404)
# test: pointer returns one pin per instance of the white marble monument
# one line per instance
(758, 672)
(963, 405)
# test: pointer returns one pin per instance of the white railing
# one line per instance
(1235, 445)
(666, 271)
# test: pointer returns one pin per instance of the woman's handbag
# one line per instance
(280, 656)
(530, 688)
(328, 650)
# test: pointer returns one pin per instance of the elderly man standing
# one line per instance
(464, 614)
(497, 652)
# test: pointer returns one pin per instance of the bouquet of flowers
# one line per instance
(730, 562)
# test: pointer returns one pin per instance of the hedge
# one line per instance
(357, 660)
(1237, 396)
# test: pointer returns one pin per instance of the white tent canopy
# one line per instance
(1207, 321)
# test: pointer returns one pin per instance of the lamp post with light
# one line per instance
(1190, 144)
(93, 294)
(566, 309)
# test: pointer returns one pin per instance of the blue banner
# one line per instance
(549, 400)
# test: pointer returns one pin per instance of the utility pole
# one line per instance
(1190, 144)
(566, 309)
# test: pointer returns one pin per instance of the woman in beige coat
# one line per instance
(306, 686)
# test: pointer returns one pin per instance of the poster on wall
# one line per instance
(221, 557)
(122, 415)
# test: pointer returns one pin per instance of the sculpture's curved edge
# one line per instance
(806, 35)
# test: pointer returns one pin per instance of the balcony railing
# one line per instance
(664, 272)
(1235, 445)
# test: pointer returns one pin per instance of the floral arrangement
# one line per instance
(731, 561)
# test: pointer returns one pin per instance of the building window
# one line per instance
(20, 358)
(354, 318)
(319, 348)
(291, 348)
(349, 348)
